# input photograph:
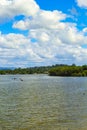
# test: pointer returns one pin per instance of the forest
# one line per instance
(54, 70)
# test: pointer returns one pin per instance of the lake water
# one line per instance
(41, 102)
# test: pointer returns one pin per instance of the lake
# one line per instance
(41, 102)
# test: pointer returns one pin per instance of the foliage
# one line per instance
(72, 70)
(32, 70)
(55, 70)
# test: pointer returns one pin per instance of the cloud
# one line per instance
(12, 8)
(85, 30)
(55, 41)
(82, 3)
(73, 11)
(49, 40)
(19, 50)
(16, 49)
(43, 19)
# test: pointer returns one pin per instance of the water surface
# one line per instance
(41, 102)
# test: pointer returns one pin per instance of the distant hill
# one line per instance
(7, 68)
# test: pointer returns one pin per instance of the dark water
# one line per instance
(40, 102)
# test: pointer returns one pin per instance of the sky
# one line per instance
(43, 32)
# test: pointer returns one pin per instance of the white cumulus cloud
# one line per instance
(82, 3)
(12, 8)
(49, 40)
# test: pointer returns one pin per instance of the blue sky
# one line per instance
(43, 32)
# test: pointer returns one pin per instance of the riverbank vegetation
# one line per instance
(55, 70)
(72, 70)
(31, 70)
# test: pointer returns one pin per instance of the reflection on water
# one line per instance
(40, 102)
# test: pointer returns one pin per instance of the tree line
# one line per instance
(54, 70)
(31, 70)
(72, 70)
